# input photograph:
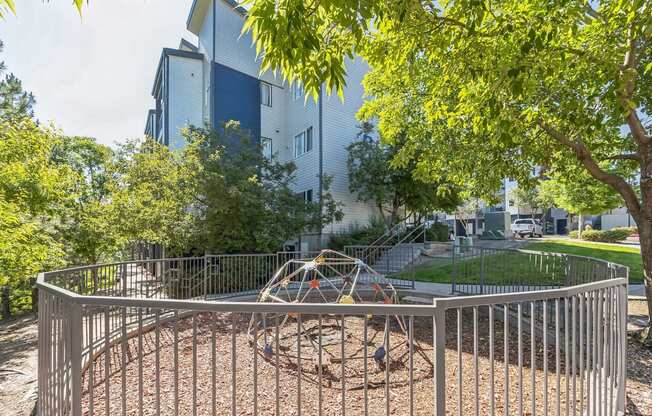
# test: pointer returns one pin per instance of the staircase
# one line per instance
(395, 250)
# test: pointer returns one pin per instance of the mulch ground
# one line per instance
(259, 388)
(18, 354)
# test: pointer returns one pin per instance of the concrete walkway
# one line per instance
(444, 289)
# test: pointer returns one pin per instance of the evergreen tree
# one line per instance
(14, 101)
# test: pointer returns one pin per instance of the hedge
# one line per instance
(605, 236)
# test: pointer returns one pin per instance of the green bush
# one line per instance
(607, 236)
(437, 232)
(629, 230)
(358, 235)
(573, 234)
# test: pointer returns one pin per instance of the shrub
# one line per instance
(629, 230)
(607, 236)
(437, 232)
(358, 235)
(573, 234)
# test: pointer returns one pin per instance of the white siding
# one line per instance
(272, 121)
(205, 47)
(300, 115)
(185, 98)
(340, 129)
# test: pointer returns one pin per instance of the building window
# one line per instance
(265, 94)
(266, 145)
(303, 142)
(306, 196)
(309, 139)
(297, 92)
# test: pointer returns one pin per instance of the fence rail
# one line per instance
(479, 270)
(147, 338)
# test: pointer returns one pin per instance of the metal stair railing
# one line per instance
(385, 240)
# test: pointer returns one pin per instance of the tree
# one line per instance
(570, 193)
(245, 202)
(534, 196)
(393, 189)
(14, 102)
(30, 185)
(152, 196)
(501, 87)
(84, 222)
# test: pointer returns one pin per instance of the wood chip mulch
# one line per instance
(258, 391)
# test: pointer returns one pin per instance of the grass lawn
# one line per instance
(505, 268)
(625, 255)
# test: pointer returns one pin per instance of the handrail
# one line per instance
(374, 247)
(354, 309)
(76, 329)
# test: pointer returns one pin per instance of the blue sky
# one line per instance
(92, 75)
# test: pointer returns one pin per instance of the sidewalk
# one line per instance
(444, 289)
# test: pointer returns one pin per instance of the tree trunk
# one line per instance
(580, 220)
(645, 236)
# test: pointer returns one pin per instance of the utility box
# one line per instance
(497, 225)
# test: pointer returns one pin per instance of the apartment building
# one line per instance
(218, 79)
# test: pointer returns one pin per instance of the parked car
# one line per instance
(527, 227)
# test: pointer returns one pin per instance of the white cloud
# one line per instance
(92, 76)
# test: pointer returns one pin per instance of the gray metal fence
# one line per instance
(116, 340)
(478, 270)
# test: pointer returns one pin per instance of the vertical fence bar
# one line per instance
(439, 343)
(622, 352)
(76, 337)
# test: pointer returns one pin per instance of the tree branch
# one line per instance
(584, 156)
(627, 72)
(624, 156)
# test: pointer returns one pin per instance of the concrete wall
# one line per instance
(610, 221)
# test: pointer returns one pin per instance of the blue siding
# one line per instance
(236, 96)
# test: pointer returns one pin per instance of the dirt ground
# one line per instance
(18, 355)
(18, 375)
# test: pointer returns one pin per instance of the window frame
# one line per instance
(299, 150)
(297, 92)
(267, 85)
(304, 195)
(309, 139)
(271, 147)
(307, 143)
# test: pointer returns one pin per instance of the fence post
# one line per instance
(32, 283)
(123, 271)
(482, 271)
(5, 301)
(454, 271)
(439, 359)
(412, 266)
(75, 340)
(622, 340)
(205, 276)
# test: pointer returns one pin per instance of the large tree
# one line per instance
(499, 87)
(245, 201)
(152, 192)
(14, 101)
(31, 184)
(84, 220)
(572, 194)
(397, 190)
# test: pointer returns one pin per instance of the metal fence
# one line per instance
(115, 340)
(478, 270)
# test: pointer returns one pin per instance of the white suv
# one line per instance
(527, 227)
